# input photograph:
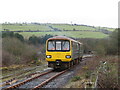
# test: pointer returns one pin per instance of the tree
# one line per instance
(7, 33)
(33, 39)
(113, 43)
(12, 34)
(38, 40)
(20, 37)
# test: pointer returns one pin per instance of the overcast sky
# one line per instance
(89, 12)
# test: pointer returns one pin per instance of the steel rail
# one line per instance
(28, 80)
(19, 73)
(48, 80)
(10, 81)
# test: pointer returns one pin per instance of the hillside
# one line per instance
(70, 30)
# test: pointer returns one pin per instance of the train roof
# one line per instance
(63, 37)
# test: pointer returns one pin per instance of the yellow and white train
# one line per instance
(63, 52)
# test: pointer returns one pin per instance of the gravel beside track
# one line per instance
(59, 81)
(37, 81)
(63, 79)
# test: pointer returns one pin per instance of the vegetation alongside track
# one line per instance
(99, 72)
(20, 48)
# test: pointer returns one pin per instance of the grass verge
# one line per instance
(87, 75)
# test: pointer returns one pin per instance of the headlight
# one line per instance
(68, 56)
(48, 56)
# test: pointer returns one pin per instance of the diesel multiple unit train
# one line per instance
(63, 52)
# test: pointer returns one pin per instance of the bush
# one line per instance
(76, 78)
(88, 74)
(17, 52)
(7, 58)
(38, 40)
(12, 34)
(106, 46)
(108, 77)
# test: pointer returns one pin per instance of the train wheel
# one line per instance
(71, 63)
(76, 61)
(54, 68)
(80, 58)
(66, 65)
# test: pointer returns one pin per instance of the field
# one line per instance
(72, 27)
(70, 30)
(46, 27)
(75, 34)
(24, 27)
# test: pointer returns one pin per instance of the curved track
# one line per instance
(37, 81)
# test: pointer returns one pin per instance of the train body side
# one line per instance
(77, 50)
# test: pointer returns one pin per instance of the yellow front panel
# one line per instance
(58, 55)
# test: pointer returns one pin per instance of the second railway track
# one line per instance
(37, 81)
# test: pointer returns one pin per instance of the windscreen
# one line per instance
(65, 45)
(59, 45)
(51, 45)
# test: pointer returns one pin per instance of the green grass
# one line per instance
(109, 29)
(25, 27)
(76, 78)
(45, 27)
(75, 34)
(83, 33)
(71, 27)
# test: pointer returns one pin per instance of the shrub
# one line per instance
(108, 78)
(76, 78)
(12, 34)
(7, 58)
(17, 52)
(87, 74)
(38, 40)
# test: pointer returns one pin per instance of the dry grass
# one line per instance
(91, 66)
(108, 77)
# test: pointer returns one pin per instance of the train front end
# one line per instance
(58, 53)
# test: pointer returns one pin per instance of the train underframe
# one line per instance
(58, 64)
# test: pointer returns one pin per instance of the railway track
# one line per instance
(38, 81)
(17, 74)
(23, 71)
(28, 72)
(42, 79)
(13, 80)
